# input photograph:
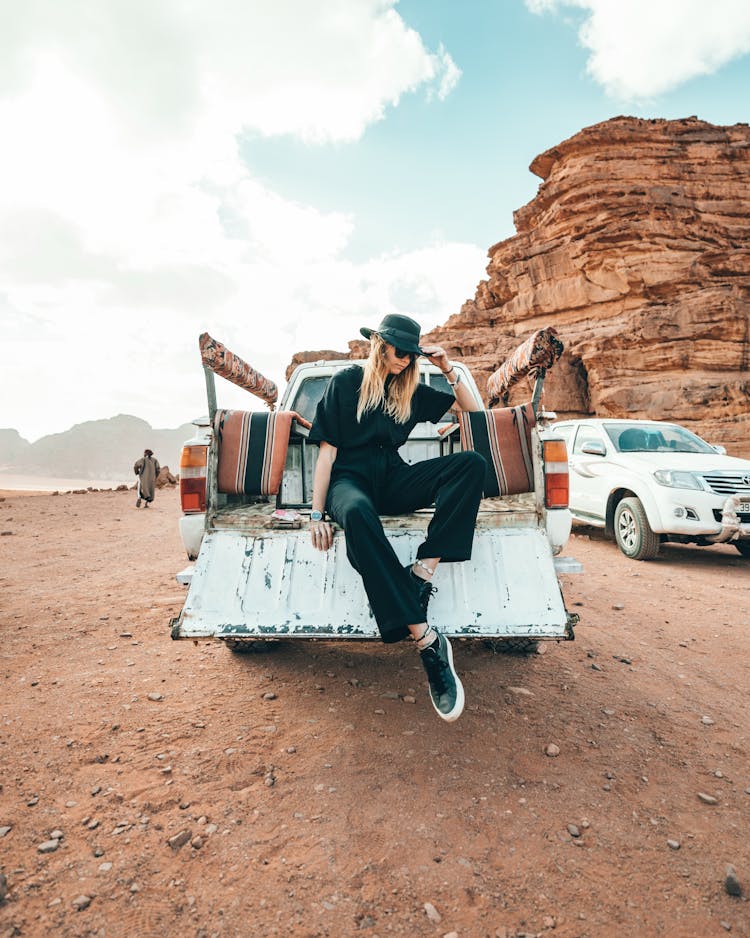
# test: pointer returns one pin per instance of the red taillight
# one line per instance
(193, 460)
(555, 474)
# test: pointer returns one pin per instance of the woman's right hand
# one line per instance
(321, 534)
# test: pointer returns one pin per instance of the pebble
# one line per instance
(291, 749)
(5, 830)
(409, 699)
(390, 695)
(726, 926)
(552, 750)
(707, 721)
(432, 913)
(95, 790)
(81, 902)
(548, 921)
(618, 606)
(596, 667)
(520, 691)
(269, 696)
(673, 844)
(379, 711)
(56, 835)
(211, 828)
(731, 883)
(49, 846)
(451, 934)
(179, 840)
(573, 830)
(32, 801)
(154, 696)
(196, 843)
(105, 867)
(707, 799)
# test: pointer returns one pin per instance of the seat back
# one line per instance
(632, 439)
(252, 450)
(503, 437)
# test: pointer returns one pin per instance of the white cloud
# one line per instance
(642, 48)
(128, 222)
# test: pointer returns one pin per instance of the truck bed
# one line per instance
(252, 581)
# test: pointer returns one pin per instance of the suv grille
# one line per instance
(728, 483)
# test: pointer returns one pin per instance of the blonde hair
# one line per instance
(397, 403)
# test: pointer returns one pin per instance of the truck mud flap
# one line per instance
(247, 586)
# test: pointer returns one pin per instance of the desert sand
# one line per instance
(151, 787)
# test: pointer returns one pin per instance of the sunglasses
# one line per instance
(400, 353)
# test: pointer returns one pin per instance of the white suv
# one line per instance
(649, 482)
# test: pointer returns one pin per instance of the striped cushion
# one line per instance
(252, 450)
(503, 437)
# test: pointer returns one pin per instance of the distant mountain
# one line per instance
(97, 449)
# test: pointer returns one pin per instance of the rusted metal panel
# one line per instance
(256, 586)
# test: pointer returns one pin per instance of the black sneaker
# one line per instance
(424, 588)
(446, 689)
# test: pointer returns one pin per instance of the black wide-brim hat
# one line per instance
(400, 331)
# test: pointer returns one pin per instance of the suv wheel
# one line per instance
(633, 532)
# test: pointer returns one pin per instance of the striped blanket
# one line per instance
(503, 437)
(252, 450)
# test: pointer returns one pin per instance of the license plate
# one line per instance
(744, 508)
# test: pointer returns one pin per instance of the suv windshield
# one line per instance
(652, 438)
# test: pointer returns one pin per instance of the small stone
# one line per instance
(673, 844)
(731, 883)
(726, 926)
(390, 695)
(56, 835)
(573, 830)
(520, 691)
(98, 852)
(196, 843)
(707, 799)
(548, 922)
(379, 711)
(269, 696)
(96, 789)
(211, 829)
(32, 801)
(49, 846)
(596, 667)
(618, 606)
(179, 840)
(409, 699)
(92, 824)
(552, 750)
(270, 781)
(135, 888)
(451, 934)
(105, 867)
(432, 913)
(154, 696)
(5, 830)
(81, 902)
(707, 721)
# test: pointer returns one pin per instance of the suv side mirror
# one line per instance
(594, 448)
(721, 450)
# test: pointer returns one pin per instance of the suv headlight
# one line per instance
(677, 480)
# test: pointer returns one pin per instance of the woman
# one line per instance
(364, 416)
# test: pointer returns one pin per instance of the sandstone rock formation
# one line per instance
(637, 249)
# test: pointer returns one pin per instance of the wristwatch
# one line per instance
(316, 516)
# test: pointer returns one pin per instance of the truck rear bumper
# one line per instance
(247, 586)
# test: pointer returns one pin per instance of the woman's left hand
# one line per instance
(437, 356)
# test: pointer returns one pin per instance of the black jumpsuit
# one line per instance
(369, 478)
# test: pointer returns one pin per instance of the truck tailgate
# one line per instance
(252, 586)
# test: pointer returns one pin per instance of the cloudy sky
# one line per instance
(280, 172)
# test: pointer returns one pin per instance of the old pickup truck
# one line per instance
(257, 578)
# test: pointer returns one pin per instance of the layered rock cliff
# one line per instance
(637, 249)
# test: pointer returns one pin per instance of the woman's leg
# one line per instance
(454, 484)
(392, 596)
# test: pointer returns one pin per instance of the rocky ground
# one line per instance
(157, 788)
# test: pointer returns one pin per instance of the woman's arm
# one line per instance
(321, 532)
(464, 398)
